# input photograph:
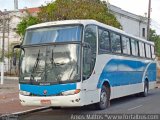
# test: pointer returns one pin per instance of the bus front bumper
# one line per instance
(61, 101)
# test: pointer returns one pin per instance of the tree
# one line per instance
(156, 39)
(26, 22)
(78, 9)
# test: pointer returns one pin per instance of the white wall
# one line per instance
(131, 23)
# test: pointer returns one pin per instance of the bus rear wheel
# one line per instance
(55, 108)
(104, 99)
(146, 88)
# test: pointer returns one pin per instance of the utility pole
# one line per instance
(8, 43)
(2, 62)
(16, 5)
(149, 19)
(108, 5)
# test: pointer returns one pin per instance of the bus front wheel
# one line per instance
(104, 99)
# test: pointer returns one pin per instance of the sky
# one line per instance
(139, 7)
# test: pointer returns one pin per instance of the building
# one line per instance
(131, 23)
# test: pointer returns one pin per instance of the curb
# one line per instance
(17, 114)
(30, 111)
(158, 82)
(157, 85)
(13, 78)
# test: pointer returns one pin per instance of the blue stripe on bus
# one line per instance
(124, 72)
(51, 89)
(151, 72)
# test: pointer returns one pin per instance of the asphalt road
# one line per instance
(126, 105)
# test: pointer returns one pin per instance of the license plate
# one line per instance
(45, 102)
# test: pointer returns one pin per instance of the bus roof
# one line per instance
(86, 22)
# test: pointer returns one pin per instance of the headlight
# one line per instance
(71, 92)
(24, 93)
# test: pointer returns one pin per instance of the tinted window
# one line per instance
(153, 52)
(90, 37)
(53, 34)
(134, 47)
(148, 51)
(104, 44)
(125, 45)
(115, 43)
(89, 50)
(141, 49)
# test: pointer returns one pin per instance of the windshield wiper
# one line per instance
(52, 60)
(72, 71)
(35, 66)
(54, 65)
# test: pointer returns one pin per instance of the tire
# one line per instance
(146, 88)
(104, 99)
(55, 108)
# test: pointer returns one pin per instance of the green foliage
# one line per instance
(156, 39)
(78, 9)
(26, 22)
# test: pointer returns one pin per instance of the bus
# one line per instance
(81, 62)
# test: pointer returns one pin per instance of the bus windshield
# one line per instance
(53, 34)
(51, 64)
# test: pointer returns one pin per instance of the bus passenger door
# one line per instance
(89, 83)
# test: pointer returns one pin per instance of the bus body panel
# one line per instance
(48, 90)
(54, 98)
(64, 101)
(124, 74)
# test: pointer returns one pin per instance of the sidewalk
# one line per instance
(9, 100)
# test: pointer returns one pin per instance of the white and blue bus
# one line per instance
(82, 62)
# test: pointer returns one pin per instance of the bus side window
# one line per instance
(126, 45)
(90, 37)
(141, 49)
(134, 46)
(89, 50)
(148, 51)
(104, 43)
(153, 52)
(115, 43)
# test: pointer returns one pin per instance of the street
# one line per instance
(126, 105)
